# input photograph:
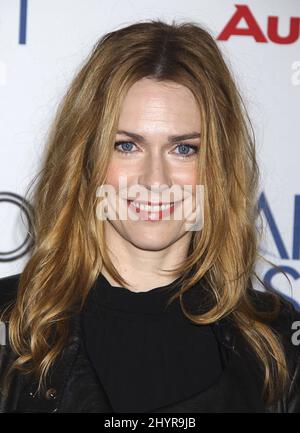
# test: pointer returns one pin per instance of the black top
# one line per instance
(147, 355)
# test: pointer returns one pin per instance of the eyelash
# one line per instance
(191, 146)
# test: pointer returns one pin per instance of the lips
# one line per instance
(151, 212)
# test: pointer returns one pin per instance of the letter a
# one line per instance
(253, 28)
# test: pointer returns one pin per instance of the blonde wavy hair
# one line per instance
(68, 240)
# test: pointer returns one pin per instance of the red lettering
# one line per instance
(290, 38)
(253, 28)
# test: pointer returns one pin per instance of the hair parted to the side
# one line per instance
(69, 248)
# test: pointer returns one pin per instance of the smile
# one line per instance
(151, 207)
(151, 212)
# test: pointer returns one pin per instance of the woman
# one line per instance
(147, 313)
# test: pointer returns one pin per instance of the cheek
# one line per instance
(114, 171)
(191, 179)
(186, 177)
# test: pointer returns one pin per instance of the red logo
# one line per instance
(253, 29)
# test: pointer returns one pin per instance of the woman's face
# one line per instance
(148, 157)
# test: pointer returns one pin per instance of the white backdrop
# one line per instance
(44, 42)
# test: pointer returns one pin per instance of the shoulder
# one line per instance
(287, 327)
(287, 314)
(286, 323)
(8, 289)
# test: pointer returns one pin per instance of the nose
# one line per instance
(156, 174)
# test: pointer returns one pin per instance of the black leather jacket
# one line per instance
(74, 386)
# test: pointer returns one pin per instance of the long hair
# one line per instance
(68, 240)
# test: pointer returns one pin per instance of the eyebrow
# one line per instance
(171, 138)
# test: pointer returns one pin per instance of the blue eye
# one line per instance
(186, 148)
(126, 147)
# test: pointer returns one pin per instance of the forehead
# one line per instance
(165, 104)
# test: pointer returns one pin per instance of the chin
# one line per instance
(150, 241)
(151, 245)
